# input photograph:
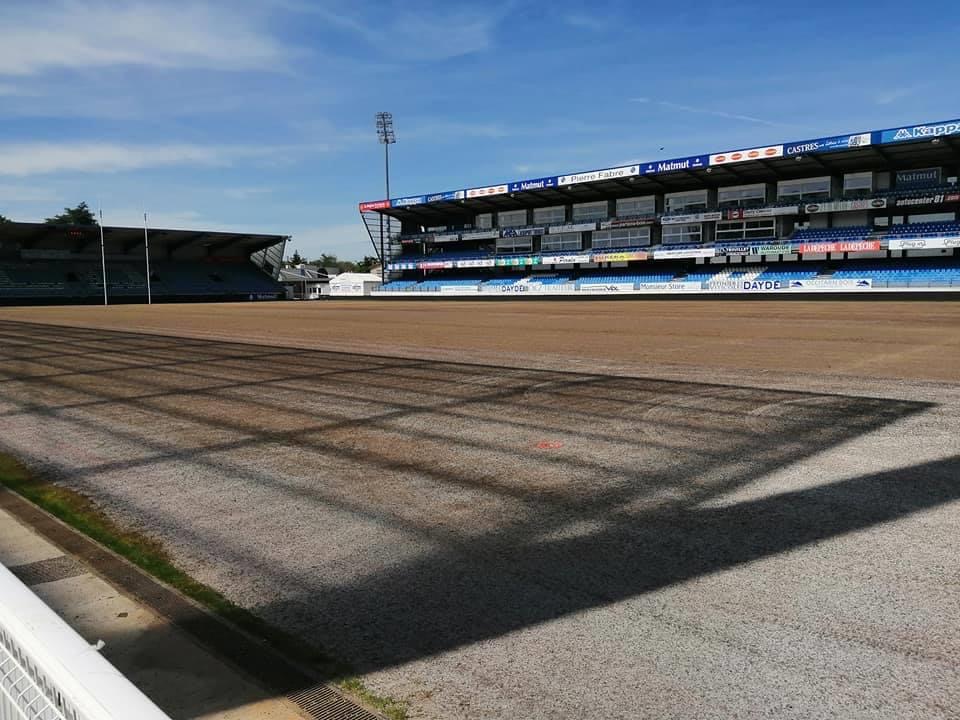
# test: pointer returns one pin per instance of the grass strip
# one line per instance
(149, 555)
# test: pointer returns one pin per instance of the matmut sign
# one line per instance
(735, 156)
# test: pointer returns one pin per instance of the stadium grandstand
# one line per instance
(861, 212)
(59, 264)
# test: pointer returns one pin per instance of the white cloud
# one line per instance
(707, 111)
(94, 33)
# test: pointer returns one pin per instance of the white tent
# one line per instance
(353, 284)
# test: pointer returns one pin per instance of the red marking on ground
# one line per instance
(550, 445)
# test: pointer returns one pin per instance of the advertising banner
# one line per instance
(914, 179)
(761, 285)
(435, 264)
(521, 232)
(458, 289)
(517, 261)
(748, 213)
(679, 286)
(832, 284)
(606, 287)
(480, 235)
(538, 184)
(564, 259)
(926, 243)
(840, 142)
(374, 205)
(749, 249)
(691, 218)
(402, 266)
(627, 222)
(487, 191)
(684, 253)
(844, 246)
(449, 237)
(921, 132)
(735, 156)
(688, 163)
(932, 199)
(595, 175)
(475, 263)
(845, 205)
(625, 256)
(572, 227)
(404, 202)
(440, 197)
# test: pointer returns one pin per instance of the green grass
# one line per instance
(146, 553)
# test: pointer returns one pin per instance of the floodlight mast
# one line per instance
(386, 137)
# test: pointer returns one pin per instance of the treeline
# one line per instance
(79, 215)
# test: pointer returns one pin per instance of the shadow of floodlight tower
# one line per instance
(386, 137)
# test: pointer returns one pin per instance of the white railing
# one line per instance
(48, 672)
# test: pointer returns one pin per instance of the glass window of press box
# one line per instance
(561, 241)
(621, 238)
(512, 245)
(484, 222)
(512, 218)
(810, 189)
(746, 230)
(630, 207)
(684, 233)
(555, 215)
(858, 185)
(742, 196)
(685, 202)
(591, 211)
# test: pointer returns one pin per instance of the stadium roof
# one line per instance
(83, 238)
(905, 147)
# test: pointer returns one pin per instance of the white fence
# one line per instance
(48, 672)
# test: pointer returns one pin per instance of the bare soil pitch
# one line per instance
(559, 528)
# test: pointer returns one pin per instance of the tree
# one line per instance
(295, 259)
(80, 215)
(368, 262)
(4, 220)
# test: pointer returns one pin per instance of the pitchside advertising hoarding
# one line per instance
(844, 246)
(832, 284)
(606, 287)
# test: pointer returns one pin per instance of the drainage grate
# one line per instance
(322, 702)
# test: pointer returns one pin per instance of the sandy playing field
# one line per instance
(539, 509)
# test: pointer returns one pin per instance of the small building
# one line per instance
(354, 284)
(306, 282)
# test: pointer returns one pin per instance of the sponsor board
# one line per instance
(914, 179)
(441, 197)
(832, 284)
(572, 227)
(626, 256)
(735, 156)
(691, 218)
(407, 201)
(839, 142)
(934, 199)
(519, 288)
(628, 222)
(926, 243)
(921, 132)
(685, 253)
(596, 175)
(760, 285)
(487, 191)
(402, 266)
(845, 205)
(606, 287)
(517, 261)
(538, 184)
(475, 263)
(679, 286)
(374, 205)
(747, 213)
(564, 259)
(480, 235)
(521, 232)
(842, 246)
(695, 162)
(435, 265)
(748, 249)
(458, 289)
(449, 237)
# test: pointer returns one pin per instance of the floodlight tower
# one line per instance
(386, 137)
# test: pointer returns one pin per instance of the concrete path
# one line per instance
(183, 678)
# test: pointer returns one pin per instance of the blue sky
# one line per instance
(258, 115)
